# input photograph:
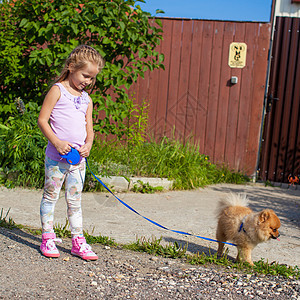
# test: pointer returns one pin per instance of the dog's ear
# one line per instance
(265, 215)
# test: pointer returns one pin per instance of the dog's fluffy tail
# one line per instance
(232, 200)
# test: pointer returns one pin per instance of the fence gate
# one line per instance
(280, 155)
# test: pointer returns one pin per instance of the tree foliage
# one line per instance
(36, 36)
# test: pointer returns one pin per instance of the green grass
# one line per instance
(10, 223)
(103, 240)
(260, 267)
(146, 188)
(62, 231)
(153, 246)
(172, 250)
(167, 158)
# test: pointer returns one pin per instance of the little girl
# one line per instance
(69, 109)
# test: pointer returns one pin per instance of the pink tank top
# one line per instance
(68, 121)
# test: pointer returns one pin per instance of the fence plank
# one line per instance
(240, 100)
(158, 101)
(194, 105)
(213, 97)
(173, 76)
(248, 102)
(181, 105)
(204, 83)
(223, 99)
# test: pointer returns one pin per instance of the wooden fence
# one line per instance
(194, 97)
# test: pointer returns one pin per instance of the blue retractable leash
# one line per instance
(73, 158)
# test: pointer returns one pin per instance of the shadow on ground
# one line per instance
(194, 248)
(27, 239)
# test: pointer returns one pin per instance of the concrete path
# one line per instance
(189, 211)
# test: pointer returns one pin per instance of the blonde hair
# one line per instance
(79, 57)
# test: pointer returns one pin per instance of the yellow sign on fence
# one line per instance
(237, 55)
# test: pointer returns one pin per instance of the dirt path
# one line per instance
(121, 274)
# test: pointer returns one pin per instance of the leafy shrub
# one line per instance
(22, 147)
(37, 35)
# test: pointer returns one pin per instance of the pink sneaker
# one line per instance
(48, 247)
(82, 249)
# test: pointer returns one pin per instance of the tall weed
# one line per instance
(168, 158)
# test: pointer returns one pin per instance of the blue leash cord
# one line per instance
(155, 223)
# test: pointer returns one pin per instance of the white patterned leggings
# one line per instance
(56, 173)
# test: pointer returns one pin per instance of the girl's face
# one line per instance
(80, 79)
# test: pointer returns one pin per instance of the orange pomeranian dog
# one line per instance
(240, 225)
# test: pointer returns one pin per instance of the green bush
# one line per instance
(37, 35)
(22, 147)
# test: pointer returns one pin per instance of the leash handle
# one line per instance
(149, 220)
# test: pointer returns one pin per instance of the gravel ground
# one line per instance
(122, 274)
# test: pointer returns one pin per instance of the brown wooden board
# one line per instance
(241, 93)
(175, 61)
(224, 115)
(181, 106)
(161, 99)
(213, 96)
(193, 105)
(204, 83)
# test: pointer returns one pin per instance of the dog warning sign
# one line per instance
(237, 55)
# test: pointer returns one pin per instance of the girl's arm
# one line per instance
(84, 151)
(63, 147)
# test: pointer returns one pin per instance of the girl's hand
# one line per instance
(63, 147)
(84, 150)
